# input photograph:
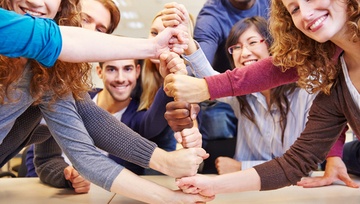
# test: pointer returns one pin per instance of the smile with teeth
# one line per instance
(317, 23)
(249, 62)
(32, 13)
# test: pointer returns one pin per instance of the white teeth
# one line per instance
(249, 62)
(317, 23)
(33, 13)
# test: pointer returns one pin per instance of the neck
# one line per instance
(107, 102)
(242, 5)
(266, 93)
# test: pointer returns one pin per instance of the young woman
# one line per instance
(319, 26)
(27, 83)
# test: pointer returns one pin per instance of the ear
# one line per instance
(138, 71)
(99, 71)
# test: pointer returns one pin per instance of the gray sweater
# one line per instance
(77, 128)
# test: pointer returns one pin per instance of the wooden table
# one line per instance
(31, 190)
(334, 194)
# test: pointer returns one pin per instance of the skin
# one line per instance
(119, 79)
(49, 9)
(95, 16)
(306, 18)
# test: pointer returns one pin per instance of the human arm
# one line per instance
(113, 136)
(30, 37)
(335, 168)
(149, 192)
(253, 78)
(175, 14)
(82, 45)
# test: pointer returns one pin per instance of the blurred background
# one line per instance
(136, 15)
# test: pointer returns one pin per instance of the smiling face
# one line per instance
(321, 20)
(119, 78)
(252, 49)
(37, 8)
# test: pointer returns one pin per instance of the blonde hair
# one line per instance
(151, 80)
(313, 60)
(62, 78)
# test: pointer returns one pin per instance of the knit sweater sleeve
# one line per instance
(48, 160)
(113, 136)
(325, 123)
(253, 78)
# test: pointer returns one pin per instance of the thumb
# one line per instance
(195, 109)
(163, 66)
(67, 173)
(349, 182)
(178, 137)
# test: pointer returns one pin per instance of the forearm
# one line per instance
(253, 78)
(200, 66)
(69, 132)
(81, 45)
(113, 136)
(132, 186)
(49, 162)
(247, 180)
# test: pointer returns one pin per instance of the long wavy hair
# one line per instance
(313, 60)
(63, 78)
(278, 95)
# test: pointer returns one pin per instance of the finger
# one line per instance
(67, 173)
(178, 137)
(349, 182)
(194, 111)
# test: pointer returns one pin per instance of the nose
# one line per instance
(306, 11)
(120, 77)
(35, 2)
(245, 51)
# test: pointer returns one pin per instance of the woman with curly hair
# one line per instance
(321, 28)
(30, 91)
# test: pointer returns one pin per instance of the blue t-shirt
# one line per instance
(29, 37)
(214, 23)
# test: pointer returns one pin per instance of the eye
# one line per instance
(294, 10)
(153, 33)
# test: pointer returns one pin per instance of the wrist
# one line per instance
(158, 161)
(192, 47)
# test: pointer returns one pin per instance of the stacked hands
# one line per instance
(182, 112)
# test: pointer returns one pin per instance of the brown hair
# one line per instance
(312, 59)
(62, 78)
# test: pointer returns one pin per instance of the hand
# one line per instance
(79, 184)
(198, 184)
(179, 163)
(335, 170)
(186, 88)
(176, 15)
(171, 40)
(226, 165)
(188, 198)
(171, 63)
(180, 114)
(189, 138)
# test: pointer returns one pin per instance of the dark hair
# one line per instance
(279, 94)
(241, 26)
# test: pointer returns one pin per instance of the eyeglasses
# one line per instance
(251, 45)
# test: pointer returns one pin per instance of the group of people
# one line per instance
(284, 131)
